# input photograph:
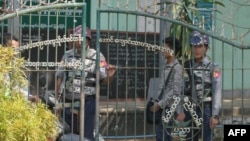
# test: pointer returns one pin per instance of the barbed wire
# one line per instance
(117, 4)
(240, 32)
(11, 6)
(244, 3)
(228, 22)
(224, 21)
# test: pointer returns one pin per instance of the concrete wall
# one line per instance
(233, 24)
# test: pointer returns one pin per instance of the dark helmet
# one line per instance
(196, 38)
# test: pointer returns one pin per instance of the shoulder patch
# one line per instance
(217, 73)
(103, 63)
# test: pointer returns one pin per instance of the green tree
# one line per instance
(187, 12)
(21, 120)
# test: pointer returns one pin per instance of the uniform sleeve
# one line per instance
(217, 90)
(174, 87)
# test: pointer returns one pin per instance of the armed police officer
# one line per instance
(71, 76)
(203, 86)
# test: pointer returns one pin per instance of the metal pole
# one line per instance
(13, 22)
(97, 76)
(83, 56)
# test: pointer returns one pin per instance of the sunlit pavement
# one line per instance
(235, 111)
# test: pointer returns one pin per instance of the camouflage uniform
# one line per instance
(72, 73)
(203, 86)
(206, 80)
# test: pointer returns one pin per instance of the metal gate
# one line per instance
(132, 47)
(44, 32)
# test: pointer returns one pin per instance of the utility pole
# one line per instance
(13, 22)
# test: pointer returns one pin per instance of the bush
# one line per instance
(21, 120)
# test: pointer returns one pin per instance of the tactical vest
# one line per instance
(198, 80)
(73, 77)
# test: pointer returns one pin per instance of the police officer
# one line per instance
(203, 86)
(71, 74)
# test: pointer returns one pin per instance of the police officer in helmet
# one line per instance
(75, 86)
(203, 86)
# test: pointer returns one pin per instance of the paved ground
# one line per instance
(121, 118)
(235, 111)
(230, 107)
(147, 139)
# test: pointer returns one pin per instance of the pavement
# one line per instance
(230, 107)
(119, 118)
(125, 120)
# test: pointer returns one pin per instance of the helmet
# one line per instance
(196, 38)
(78, 31)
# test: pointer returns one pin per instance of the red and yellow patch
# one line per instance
(217, 74)
(103, 63)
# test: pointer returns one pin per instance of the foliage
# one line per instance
(186, 12)
(21, 120)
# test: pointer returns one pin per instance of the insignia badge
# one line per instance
(103, 63)
(217, 74)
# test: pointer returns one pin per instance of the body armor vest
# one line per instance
(198, 80)
(73, 77)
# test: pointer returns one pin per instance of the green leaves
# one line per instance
(21, 120)
(182, 33)
(186, 11)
